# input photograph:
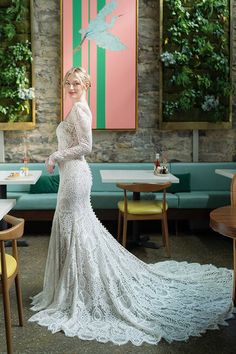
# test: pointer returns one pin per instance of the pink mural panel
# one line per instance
(112, 99)
(121, 70)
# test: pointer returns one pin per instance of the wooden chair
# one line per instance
(233, 191)
(9, 272)
(143, 209)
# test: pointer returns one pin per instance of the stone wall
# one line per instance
(137, 146)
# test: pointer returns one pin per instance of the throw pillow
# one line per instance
(182, 186)
(45, 184)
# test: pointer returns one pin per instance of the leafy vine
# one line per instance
(15, 65)
(196, 58)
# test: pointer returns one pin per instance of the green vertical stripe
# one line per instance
(89, 68)
(101, 79)
(77, 24)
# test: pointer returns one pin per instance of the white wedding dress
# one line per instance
(95, 289)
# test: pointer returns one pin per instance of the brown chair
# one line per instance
(233, 191)
(9, 272)
(143, 209)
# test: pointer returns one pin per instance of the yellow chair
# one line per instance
(9, 272)
(143, 209)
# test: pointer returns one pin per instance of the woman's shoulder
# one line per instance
(81, 105)
(80, 115)
(81, 109)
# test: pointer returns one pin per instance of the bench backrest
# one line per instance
(203, 176)
(198, 171)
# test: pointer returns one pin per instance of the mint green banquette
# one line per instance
(199, 188)
(206, 188)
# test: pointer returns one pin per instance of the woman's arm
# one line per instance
(82, 120)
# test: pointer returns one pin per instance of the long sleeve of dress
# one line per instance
(82, 122)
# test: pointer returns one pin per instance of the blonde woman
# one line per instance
(93, 287)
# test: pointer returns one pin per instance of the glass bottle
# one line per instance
(157, 163)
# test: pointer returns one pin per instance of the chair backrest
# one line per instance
(143, 187)
(9, 273)
(233, 191)
(15, 231)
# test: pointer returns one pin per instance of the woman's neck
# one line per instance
(81, 100)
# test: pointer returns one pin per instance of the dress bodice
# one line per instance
(66, 135)
(74, 135)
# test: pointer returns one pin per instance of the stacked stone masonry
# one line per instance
(138, 146)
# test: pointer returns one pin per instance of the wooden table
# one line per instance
(137, 176)
(226, 172)
(223, 221)
(4, 181)
(5, 206)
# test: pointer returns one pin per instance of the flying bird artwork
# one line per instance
(101, 36)
(97, 30)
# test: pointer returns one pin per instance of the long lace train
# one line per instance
(96, 289)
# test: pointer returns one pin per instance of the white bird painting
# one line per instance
(97, 30)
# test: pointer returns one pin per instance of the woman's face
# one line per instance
(74, 88)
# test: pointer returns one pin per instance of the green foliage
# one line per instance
(15, 65)
(183, 77)
(16, 10)
(196, 56)
(9, 31)
(187, 99)
(170, 108)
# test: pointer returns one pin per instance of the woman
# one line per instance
(93, 287)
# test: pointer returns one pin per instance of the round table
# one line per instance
(223, 221)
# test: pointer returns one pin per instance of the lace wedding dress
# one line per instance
(95, 289)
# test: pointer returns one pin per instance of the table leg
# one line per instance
(3, 191)
(137, 238)
(135, 228)
(3, 195)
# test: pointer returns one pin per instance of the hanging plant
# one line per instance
(15, 64)
(196, 61)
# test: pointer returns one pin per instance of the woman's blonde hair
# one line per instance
(83, 76)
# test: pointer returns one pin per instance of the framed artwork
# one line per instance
(196, 64)
(101, 36)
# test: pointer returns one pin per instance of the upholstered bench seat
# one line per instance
(27, 201)
(172, 199)
(202, 199)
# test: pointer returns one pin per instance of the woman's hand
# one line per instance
(49, 167)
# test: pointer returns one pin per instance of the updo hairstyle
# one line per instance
(83, 76)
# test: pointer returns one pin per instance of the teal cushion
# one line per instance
(183, 185)
(172, 199)
(193, 200)
(41, 201)
(45, 184)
